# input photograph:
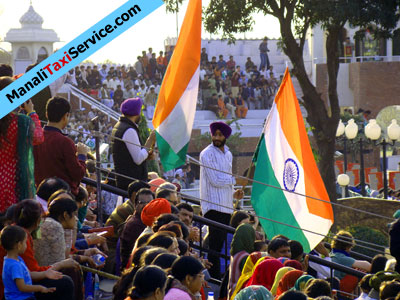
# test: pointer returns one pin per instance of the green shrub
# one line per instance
(370, 235)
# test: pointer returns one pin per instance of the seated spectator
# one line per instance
(47, 188)
(242, 245)
(16, 276)
(281, 272)
(230, 104)
(241, 109)
(288, 281)
(212, 104)
(264, 273)
(341, 245)
(118, 96)
(279, 247)
(302, 282)
(318, 287)
(389, 290)
(166, 240)
(378, 263)
(168, 191)
(293, 295)
(123, 211)
(165, 260)
(222, 111)
(256, 292)
(151, 211)
(134, 225)
(52, 246)
(28, 216)
(252, 261)
(364, 287)
(187, 279)
(148, 283)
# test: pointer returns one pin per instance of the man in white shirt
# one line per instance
(128, 155)
(216, 188)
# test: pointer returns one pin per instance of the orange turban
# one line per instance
(155, 183)
(153, 209)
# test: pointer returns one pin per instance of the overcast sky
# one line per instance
(70, 18)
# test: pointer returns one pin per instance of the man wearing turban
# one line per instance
(128, 155)
(216, 188)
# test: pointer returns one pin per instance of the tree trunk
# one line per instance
(324, 127)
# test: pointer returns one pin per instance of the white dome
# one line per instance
(31, 18)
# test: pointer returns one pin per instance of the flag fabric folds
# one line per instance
(284, 159)
(176, 105)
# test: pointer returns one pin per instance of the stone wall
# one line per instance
(375, 85)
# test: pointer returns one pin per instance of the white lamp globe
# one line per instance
(343, 179)
(372, 130)
(351, 129)
(393, 130)
(340, 129)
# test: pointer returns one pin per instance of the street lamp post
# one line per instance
(343, 180)
(351, 131)
(373, 132)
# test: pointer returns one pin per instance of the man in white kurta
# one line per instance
(216, 188)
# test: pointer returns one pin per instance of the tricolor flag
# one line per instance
(176, 104)
(284, 159)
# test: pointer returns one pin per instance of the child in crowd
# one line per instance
(16, 277)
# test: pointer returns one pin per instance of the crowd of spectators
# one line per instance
(225, 88)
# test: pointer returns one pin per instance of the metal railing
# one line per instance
(93, 102)
(228, 229)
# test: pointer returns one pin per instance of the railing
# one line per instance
(93, 102)
(353, 59)
(231, 230)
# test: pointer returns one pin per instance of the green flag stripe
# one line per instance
(169, 159)
(271, 202)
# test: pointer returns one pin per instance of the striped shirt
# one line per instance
(216, 187)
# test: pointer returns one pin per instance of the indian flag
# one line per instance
(176, 104)
(284, 159)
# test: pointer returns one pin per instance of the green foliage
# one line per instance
(370, 235)
(144, 132)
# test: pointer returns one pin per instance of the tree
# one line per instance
(296, 17)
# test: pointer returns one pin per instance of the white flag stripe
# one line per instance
(177, 127)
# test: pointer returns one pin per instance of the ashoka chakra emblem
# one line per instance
(290, 175)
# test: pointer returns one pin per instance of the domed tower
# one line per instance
(30, 43)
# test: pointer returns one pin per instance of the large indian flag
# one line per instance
(176, 104)
(284, 159)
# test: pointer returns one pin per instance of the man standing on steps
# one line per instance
(264, 53)
(128, 155)
(216, 189)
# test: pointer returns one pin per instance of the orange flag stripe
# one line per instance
(295, 131)
(183, 64)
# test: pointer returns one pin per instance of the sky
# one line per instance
(70, 18)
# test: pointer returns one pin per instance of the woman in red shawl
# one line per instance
(288, 280)
(18, 133)
(265, 272)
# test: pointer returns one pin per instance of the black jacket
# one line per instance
(123, 162)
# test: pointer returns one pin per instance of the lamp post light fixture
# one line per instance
(343, 180)
(373, 132)
(351, 131)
